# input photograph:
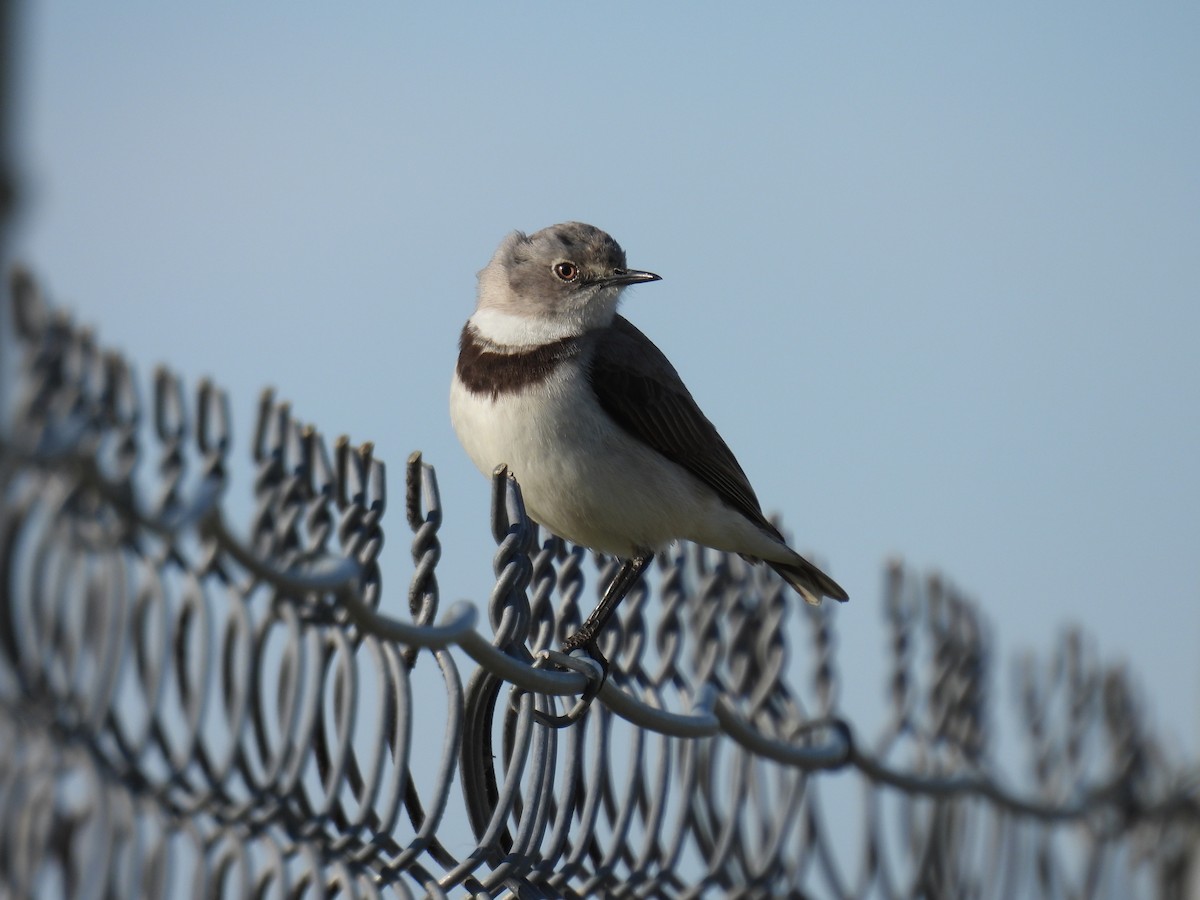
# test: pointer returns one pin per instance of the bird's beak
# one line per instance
(629, 276)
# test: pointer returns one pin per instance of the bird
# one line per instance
(609, 448)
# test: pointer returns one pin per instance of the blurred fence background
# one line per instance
(196, 706)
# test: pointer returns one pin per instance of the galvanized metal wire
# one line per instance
(194, 707)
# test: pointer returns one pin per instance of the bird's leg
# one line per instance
(627, 576)
(585, 637)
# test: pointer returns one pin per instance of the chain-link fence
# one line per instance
(195, 707)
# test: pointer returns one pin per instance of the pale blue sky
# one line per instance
(931, 269)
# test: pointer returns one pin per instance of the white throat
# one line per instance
(513, 330)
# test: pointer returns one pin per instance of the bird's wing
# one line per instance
(637, 385)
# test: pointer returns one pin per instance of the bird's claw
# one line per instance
(587, 660)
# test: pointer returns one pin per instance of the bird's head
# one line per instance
(567, 276)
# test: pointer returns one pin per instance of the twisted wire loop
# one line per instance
(189, 708)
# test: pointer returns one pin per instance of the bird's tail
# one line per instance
(810, 582)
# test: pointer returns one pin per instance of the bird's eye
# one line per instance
(566, 271)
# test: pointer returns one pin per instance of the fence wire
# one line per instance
(190, 707)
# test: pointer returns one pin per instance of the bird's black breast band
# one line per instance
(485, 370)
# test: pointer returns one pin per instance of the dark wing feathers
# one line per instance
(637, 385)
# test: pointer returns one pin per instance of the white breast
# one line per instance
(586, 480)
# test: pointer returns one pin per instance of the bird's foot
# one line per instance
(590, 663)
